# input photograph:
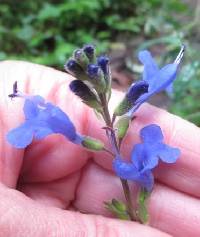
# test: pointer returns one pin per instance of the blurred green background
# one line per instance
(47, 32)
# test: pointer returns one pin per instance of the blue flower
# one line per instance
(145, 156)
(41, 120)
(157, 79)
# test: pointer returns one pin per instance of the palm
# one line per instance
(60, 174)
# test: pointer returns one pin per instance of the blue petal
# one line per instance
(31, 109)
(21, 136)
(42, 132)
(163, 78)
(168, 154)
(144, 157)
(159, 82)
(150, 66)
(59, 122)
(170, 89)
(151, 133)
(125, 170)
(146, 180)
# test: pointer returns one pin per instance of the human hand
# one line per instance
(59, 175)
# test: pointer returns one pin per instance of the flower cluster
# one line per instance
(92, 72)
(93, 86)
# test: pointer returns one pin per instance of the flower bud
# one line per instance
(81, 58)
(103, 62)
(97, 78)
(92, 144)
(84, 92)
(75, 69)
(118, 208)
(122, 126)
(133, 93)
(89, 50)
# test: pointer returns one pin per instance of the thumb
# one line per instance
(22, 217)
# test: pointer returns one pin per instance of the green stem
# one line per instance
(127, 195)
(125, 185)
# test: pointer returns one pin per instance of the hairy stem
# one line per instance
(112, 137)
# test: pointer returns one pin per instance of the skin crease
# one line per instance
(38, 183)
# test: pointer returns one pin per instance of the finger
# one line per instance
(22, 217)
(184, 175)
(58, 193)
(170, 211)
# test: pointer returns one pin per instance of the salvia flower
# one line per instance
(145, 156)
(41, 120)
(157, 79)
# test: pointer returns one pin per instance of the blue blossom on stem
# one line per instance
(41, 120)
(145, 156)
(157, 79)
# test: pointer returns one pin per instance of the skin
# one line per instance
(55, 188)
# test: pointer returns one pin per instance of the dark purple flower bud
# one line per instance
(136, 90)
(84, 92)
(89, 51)
(81, 58)
(73, 67)
(93, 70)
(79, 88)
(103, 62)
(97, 77)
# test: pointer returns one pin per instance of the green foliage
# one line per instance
(48, 31)
(186, 93)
